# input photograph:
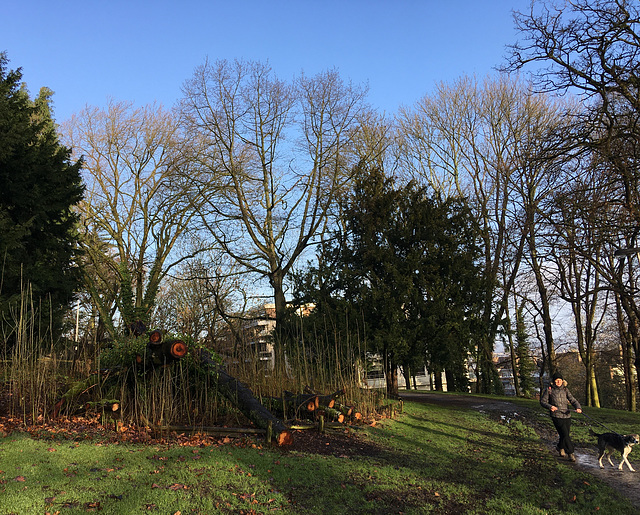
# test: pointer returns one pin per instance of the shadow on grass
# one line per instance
(426, 461)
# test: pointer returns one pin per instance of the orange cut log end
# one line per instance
(285, 438)
(155, 337)
(178, 349)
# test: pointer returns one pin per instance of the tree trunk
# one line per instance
(512, 352)
(392, 378)
(633, 335)
(276, 280)
(437, 379)
(488, 377)
(625, 350)
(242, 397)
(592, 382)
(545, 310)
(406, 372)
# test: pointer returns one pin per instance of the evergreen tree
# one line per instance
(403, 270)
(526, 364)
(39, 186)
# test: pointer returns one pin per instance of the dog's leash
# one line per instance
(598, 422)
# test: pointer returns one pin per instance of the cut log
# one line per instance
(155, 337)
(177, 349)
(334, 414)
(326, 400)
(164, 353)
(290, 408)
(112, 406)
(302, 401)
(242, 397)
(345, 410)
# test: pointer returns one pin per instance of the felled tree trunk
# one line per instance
(325, 400)
(242, 397)
(302, 401)
(334, 414)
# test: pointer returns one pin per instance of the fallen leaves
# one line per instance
(90, 428)
(175, 486)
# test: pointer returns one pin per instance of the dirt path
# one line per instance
(625, 482)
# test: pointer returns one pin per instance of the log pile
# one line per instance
(161, 351)
(310, 405)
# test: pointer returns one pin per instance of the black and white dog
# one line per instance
(610, 442)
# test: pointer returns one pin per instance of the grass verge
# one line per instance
(430, 459)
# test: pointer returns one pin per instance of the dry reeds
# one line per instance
(36, 379)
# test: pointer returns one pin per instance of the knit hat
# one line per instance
(557, 375)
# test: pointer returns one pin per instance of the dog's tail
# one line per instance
(593, 433)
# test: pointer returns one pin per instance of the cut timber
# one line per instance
(325, 400)
(155, 337)
(108, 406)
(296, 407)
(345, 410)
(163, 352)
(177, 349)
(242, 397)
(302, 401)
(334, 414)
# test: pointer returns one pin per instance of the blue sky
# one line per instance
(142, 51)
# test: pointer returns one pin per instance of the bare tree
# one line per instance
(481, 141)
(591, 47)
(278, 155)
(197, 299)
(136, 209)
(577, 251)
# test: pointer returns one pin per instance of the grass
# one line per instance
(429, 459)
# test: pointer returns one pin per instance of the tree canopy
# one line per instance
(40, 187)
(406, 264)
(278, 155)
(137, 208)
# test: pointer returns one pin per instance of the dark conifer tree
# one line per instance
(39, 185)
(404, 270)
(526, 363)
